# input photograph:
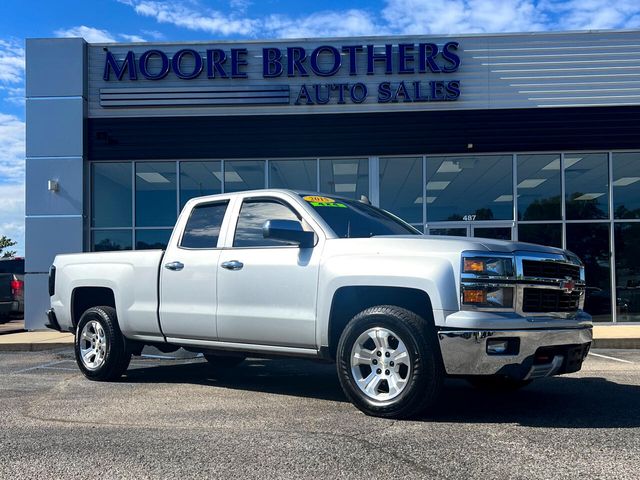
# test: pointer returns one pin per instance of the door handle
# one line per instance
(232, 265)
(175, 266)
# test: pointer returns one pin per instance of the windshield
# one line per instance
(351, 219)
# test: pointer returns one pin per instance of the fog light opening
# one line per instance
(503, 346)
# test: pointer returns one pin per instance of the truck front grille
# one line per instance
(541, 300)
(543, 269)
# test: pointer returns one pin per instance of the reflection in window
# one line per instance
(198, 179)
(401, 187)
(590, 241)
(156, 239)
(111, 194)
(470, 187)
(347, 178)
(301, 175)
(627, 239)
(110, 240)
(155, 194)
(586, 186)
(543, 234)
(492, 232)
(243, 175)
(452, 232)
(626, 185)
(539, 191)
(203, 227)
(253, 215)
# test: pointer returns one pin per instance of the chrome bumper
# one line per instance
(540, 353)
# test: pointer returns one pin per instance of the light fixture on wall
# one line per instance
(53, 186)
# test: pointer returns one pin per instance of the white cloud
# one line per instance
(593, 14)
(11, 62)
(132, 38)
(12, 151)
(90, 34)
(347, 23)
(12, 216)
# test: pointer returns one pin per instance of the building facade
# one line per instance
(531, 137)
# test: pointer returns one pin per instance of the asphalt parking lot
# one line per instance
(289, 419)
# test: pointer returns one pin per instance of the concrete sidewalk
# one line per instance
(605, 336)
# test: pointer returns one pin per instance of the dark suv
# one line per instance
(11, 287)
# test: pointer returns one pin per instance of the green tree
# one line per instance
(6, 242)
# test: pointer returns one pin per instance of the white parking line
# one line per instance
(44, 365)
(610, 358)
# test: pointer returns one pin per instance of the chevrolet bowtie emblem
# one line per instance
(568, 285)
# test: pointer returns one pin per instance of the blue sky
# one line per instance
(208, 20)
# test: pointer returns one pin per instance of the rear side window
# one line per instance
(15, 266)
(203, 226)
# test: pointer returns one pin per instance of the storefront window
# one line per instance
(301, 175)
(470, 188)
(586, 186)
(539, 191)
(111, 240)
(543, 234)
(590, 241)
(452, 232)
(347, 178)
(155, 194)
(198, 179)
(627, 243)
(152, 239)
(401, 187)
(111, 194)
(626, 185)
(242, 175)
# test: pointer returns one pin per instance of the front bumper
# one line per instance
(537, 353)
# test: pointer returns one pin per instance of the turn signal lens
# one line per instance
(474, 296)
(473, 265)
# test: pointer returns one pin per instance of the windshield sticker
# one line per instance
(318, 199)
(328, 204)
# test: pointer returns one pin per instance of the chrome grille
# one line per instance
(538, 269)
(539, 300)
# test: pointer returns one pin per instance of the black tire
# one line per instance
(424, 376)
(116, 355)
(496, 383)
(224, 361)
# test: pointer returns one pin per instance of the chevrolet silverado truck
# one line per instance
(277, 272)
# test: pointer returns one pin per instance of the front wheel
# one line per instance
(388, 362)
(100, 348)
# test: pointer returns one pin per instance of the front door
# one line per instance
(267, 288)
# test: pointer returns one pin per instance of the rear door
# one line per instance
(188, 285)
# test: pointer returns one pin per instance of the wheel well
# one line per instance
(349, 301)
(84, 298)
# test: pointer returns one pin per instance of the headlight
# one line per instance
(487, 296)
(493, 266)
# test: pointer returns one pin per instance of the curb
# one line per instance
(616, 343)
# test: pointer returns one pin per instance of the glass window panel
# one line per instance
(492, 232)
(243, 175)
(203, 227)
(347, 178)
(627, 238)
(253, 215)
(294, 174)
(480, 186)
(156, 239)
(590, 241)
(111, 194)
(453, 232)
(543, 234)
(626, 185)
(111, 240)
(539, 193)
(198, 179)
(155, 194)
(401, 187)
(586, 186)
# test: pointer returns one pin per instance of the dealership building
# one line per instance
(532, 137)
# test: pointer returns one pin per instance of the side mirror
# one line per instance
(288, 230)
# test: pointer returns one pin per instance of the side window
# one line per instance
(252, 216)
(203, 227)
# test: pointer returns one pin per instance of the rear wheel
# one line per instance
(224, 361)
(100, 348)
(388, 362)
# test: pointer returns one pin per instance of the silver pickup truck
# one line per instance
(277, 272)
